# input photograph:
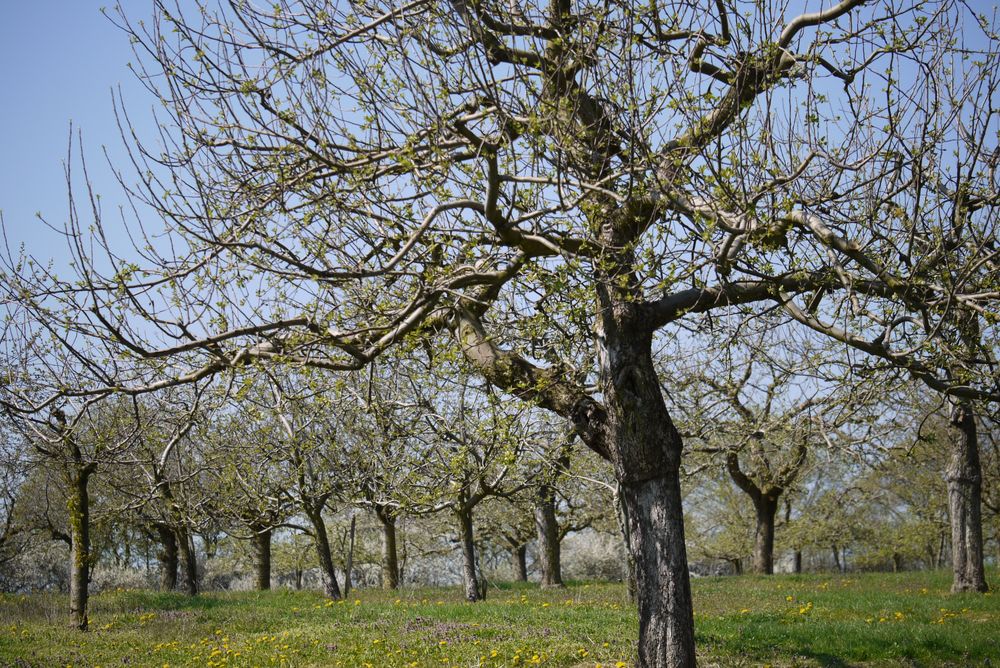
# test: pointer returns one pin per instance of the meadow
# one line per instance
(907, 619)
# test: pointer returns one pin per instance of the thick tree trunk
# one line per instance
(261, 545)
(737, 566)
(470, 579)
(189, 561)
(965, 482)
(797, 563)
(327, 573)
(656, 532)
(79, 528)
(646, 452)
(167, 556)
(645, 448)
(519, 562)
(548, 537)
(390, 562)
(766, 507)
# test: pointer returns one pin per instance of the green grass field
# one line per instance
(811, 620)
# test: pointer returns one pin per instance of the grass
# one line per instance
(809, 620)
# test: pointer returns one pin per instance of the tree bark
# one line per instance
(167, 556)
(548, 537)
(646, 453)
(349, 560)
(836, 559)
(261, 545)
(965, 486)
(797, 563)
(189, 561)
(763, 549)
(79, 527)
(656, 528)
(390, 562)
(327, 572)
(519, 562)
(470, 579)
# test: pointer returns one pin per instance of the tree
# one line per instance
(312, 445)
(761, 406)
(524, 176)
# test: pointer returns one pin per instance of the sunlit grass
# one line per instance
(876, 620)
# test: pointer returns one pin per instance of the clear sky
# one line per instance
(59, 60)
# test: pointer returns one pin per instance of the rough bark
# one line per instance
(965, 482)
(79, 527)
(261, 546)
(763, 548)
(167, 556)
(189, 561)
(548, 537)
(666, 621)
(519, 562)
(390, 561)
(470, 579)
(327, 573)
(646, 453)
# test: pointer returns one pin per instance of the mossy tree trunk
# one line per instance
(167, 556)
(78, 506)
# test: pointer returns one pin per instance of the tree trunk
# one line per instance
(797, 563)
(766, 507)
(469, 577)
(836, 559)
(79, 527)
(519, 562)
(349, 560)
(656, 530)
(645, 449)
(548, 537)
(965, 481)
(189, 561)
(261, 545)
(737, 566)
(167, 556)
(390, 563)
(327, 573)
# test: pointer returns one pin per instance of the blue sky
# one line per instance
(59, 60)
